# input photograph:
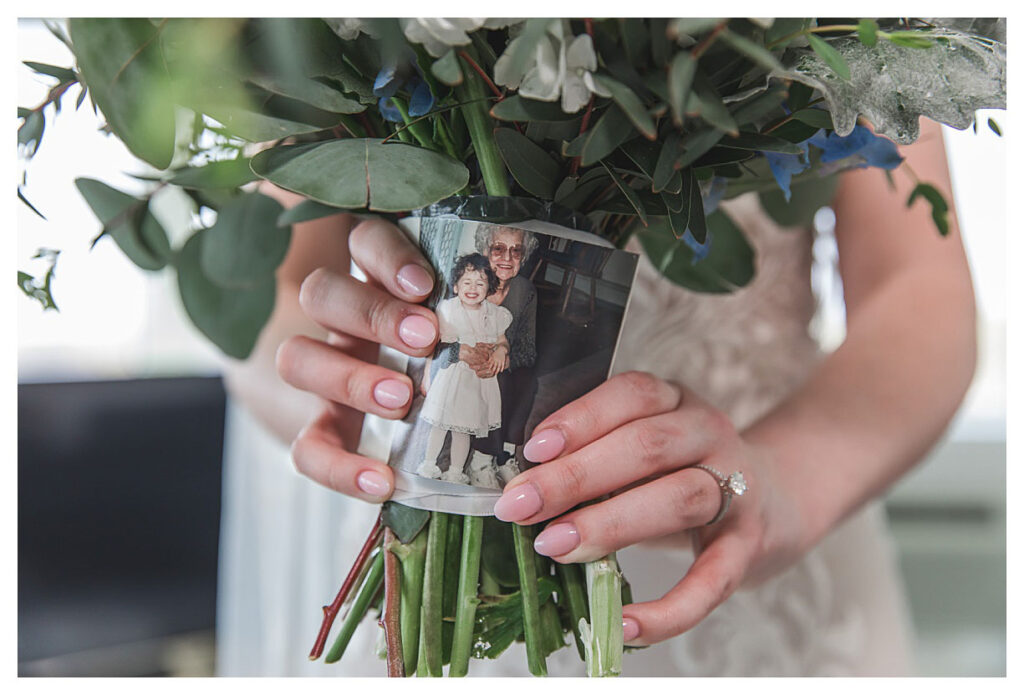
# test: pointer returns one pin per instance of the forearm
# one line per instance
(877, 404)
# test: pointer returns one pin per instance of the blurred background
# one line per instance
(121, 417)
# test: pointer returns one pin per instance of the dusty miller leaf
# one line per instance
(893, 86)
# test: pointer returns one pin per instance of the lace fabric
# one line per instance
(839, 611)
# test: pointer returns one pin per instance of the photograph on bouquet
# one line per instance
(528, 322)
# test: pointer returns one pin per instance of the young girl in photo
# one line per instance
(459, 401)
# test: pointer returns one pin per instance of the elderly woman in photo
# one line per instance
(493, 461)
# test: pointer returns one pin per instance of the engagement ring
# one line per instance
(730, 485)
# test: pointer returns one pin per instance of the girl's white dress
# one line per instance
(287, 542)
(458, 400)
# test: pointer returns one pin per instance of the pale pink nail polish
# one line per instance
(391, 393)
(374, 484)
(557, 539)
(630, 629)
(416, 331)
(544, 446)
(414, 279)
(521, 502)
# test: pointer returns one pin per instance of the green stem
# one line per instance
(481, 132)
(417, 128)
(353, 126)
(575, 600)
(359, 607)
(488, 584)
(431, 614)
(465, 612)
(450, 594)
(531, 605)
(413, 556)
(604, 587)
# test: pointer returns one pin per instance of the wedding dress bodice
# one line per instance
(839, 611)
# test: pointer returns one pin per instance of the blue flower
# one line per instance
(700, 251)
(784, 166)
(394, 76)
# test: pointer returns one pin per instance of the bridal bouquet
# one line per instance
(635, 129)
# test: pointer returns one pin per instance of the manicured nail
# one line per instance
(414, 279)
(391, 393)
(630, 629)
(416, 331)
(544, 446)
(521, 502)
(374, 484)
(557, 539)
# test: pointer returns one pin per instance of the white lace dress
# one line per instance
(286, 543)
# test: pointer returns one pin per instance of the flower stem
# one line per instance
(531, 606)
(391, 619)
(575, 600)
(481, 132)
(604, 587)
(431, 614)
(417, 128)
(358, 609)
(465, 610)
(413, 556)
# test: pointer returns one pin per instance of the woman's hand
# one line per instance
(637, 437)
(499, 359)
(477, 357)
(359, 317)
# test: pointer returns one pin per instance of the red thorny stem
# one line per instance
(392, 605)
(331, 611)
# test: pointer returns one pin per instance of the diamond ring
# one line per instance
(730, 485)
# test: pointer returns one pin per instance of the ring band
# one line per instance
(730, 485)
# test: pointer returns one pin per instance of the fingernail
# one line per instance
(416, 331)
(630, 629)
(544, 446)
(391, 393)
(557, 539)
(414, 279)
(519, 503)
(374, 484)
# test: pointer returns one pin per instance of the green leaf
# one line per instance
(254, 126)
(128, 221)
(245, 246)
(630, 104)
(631, 195)
(447, 70)
(830, 56)
(22, 198)
(794, 131)
(939, 206)
(695, 144)
(63, 75)
(41, 290)
(528, 163)
(799, 95)
(611, 130)
(635, 40)
(783, 27)
(713, 110)
(660, 45)
(363, 173)
(819, 118)
(519, 108)
(757, 53)
(867, 32)
(994, 127)
(305, 211)
(309, 91)
(758, 106)
(120, 61)
(665, 169)
(728, 266)
(228, 173)
(909, 39)
(406, 522)
(808, 196)
(644, 154)
(761, 143)
(231, 318)
(691, 26)
(30, 132)
(680, 80)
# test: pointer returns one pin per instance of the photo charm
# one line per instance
(529, 315)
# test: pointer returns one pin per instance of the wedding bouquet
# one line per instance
(634, 129)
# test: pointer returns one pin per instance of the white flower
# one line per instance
(438, 35)
(555, 69)
(346, 27)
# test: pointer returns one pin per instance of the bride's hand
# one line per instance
(637, 438)
(359, 317)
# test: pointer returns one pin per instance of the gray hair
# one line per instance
(485, 237)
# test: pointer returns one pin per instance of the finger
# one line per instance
(319, 455)
(342, 304)
(685, 499)
(316, 367)
(388, 257)
(713, 577)
(635, 451)
(622, 398)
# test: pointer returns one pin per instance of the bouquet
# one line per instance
(636, 129)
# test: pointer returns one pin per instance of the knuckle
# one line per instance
(717, 424)
(688, 499)
(650, 393)
(572, 478)
(650, 441)
(379, 316)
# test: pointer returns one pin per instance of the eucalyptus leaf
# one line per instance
(611, 130)
(120, 62)
(831, 56)
(818, 118)
(310, 92)
(363, 173)
(760, 142)
(808, 196)
(231, 318)
(728, 266)
(528, 163)
(893, 86)
(244, 247)
(63, 75)
(446, 68)
(940, 208)
(406, 522)
(128, 221)
(755, 52)
(255, 126)
(691, 26)
(665, 168)
(695, 144)
(909, 39)
(630, 104)
(630, 195)
(30, 132)
(994, 127)
(680, 80)
(228, 173)
(867, 32)
(305, 211)
(519, 108)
